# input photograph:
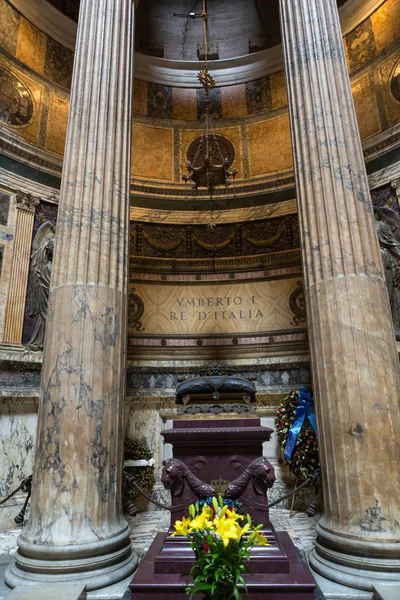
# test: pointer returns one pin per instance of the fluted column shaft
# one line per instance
(355, 365)
(16, 298)
(76, 527)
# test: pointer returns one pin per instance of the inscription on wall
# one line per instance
(237, 307)
(217, 308)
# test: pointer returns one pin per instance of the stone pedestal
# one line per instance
(76, 529)
(217, 454)
(354, 360)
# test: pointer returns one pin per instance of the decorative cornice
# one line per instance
(14, 146)
(384, 176)
(184, 73)
(135, 366)
(250, 187)
(181, 272)
(233, 215)
(274, 342)
(382, 143)
(14, 183)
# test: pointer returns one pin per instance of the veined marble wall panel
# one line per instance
(31, 46)
(18, 420)
(233, 100)
(153, 152)
(219, 309)
(140, 97)
(9, 25)
(269, 146)
(386, 24)
(366, 107)
(57, 122)
(184, 104)
(278, 90)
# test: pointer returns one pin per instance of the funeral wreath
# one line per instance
(297, 432)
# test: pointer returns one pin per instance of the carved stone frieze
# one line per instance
(198, 242)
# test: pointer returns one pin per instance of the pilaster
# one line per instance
(16, 299)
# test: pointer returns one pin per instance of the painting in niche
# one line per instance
(16, 102)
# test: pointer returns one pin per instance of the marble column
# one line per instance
(16, 298)
(356, 373)
(76, 530)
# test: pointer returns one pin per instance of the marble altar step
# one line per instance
(298, 584)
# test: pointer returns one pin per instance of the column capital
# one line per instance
(26, 202)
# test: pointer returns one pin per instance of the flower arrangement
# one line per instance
(304, 458)
(222, 539)
(135, 450)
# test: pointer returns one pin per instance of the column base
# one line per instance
(97, 565)
(353, 563)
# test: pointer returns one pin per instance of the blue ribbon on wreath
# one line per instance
(305, 409)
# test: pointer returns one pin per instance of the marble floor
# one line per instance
(146, 525)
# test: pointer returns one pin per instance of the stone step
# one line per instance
(386, 592)
(70, 591)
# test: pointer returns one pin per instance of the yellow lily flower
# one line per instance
(228, 529)
(231, 514)
(259, 539)
(203, 520)
(181, 527)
